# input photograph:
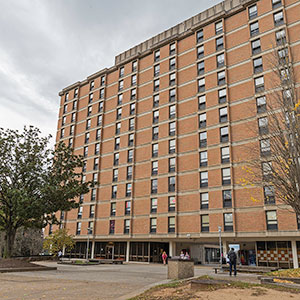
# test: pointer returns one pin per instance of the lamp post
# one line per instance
(220, 243)
(88, 244)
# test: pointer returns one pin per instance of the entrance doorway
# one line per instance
(109, 252)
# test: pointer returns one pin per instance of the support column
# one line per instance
(63, 250)
(225, 249)
(295, 255)
(127, 251)
(172, 249)
(93, 250)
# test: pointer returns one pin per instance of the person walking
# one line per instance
(232, 261)
(164, 257)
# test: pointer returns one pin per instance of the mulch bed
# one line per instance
(16, 263)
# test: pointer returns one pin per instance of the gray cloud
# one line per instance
(47, 45)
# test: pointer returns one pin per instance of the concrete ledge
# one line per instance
(27, 269)
(180, 268)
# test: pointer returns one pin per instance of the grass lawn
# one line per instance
(286, 273)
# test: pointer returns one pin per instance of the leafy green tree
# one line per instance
(35, 181)
(58, 240)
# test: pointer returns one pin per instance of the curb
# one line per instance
(27, 269)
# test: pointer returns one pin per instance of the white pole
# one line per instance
(295, 255)
(127, 251)
(88, 244)
(220, 242)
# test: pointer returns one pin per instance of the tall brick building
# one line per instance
(163, 132)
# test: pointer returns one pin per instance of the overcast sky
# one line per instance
(46, 45)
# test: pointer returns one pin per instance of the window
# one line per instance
(204, 223)
(224, 135)
(98, 134)
(155, 133)
(269, 194)
(133, 94)
(156, 85)
(278, 18)
(154, 186)
(226, 177)
(130, 156)
(154, 150)
(276, 3)
(153, 208)
(115, 175)
(156, 70)
(73, 117)
(172, 111)
(199, 36)
(118, 128)
(219, 27)
(255, 45)
(228, 222)
(119, 113)
(93, 195)
(154, 169)
(100, 108)
(121, 85)
(219, 43)
(225, 155)
(79, 213)
(280, 37)
(202, 102)
(121, 72)
(99, 120)
(222, 95)
(120, 99)
(157, 55)
(172, 128)
(92, 211)
(265, 147)
(114, 191)
(172, 95)
(130, 139)
(172, 64)
(131, 124)
(84, 166)
(172, 184)
(78, 228)
(127, 207)
(85, 151)
(200, 67)
(201, 85)
(271, 217)
(283, 54)
(259, 84)
(267, 170)
(171, 224)
(88, 124)
(172, 79)
(252, 11)
(116, 159)
(134, 66)
(132, 108)
(258, 65)
(126, 226)
(172, 164)
(223, 114)
(203, 139)
(112, 226)
(254, 29)
(221, 78)
(96, 163)
(101, 94)
(102, 80)
(70, 142)
(172, 203)
(128, 189)
(200, 51)
(172, 146)
(155, 117)
(72, 129)
(153, 225)
(227, 198)
(81, 198)
(63, 121)
(155, 100)
(92, 85)
(74, 105)
(129, 172)
(203, 159)
(133, 79)
(172, 48)
(204, 198)
(95, 177)
(202, 120)
(76, 93)
(203, 179)
(263, 125)
(220, 60)
(87, 137)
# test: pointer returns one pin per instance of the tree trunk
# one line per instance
(9, 242)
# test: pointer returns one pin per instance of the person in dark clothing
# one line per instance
(232, 261)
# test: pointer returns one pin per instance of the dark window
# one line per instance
(121, 85)
(100, 108)
(154, 186)
(85, 151)
(222, 96)
(172, 146)
(92, 85)
(74, 105)
(98, 134)
(201, 85)
(128, 189)
(226, 176)
(155, 100)
(254, 29)
(115, 175)
(202, 102)
(87, 138)
(172, 184)
(171, 224)
(154, 150)
(118, 128)
(154, 169)
(265, 147)
(258, 65)
(228, 222)
(134, 66)
(278, 18)
(131, 124)
(204, 179)
(155, 119)
(121, 72)
(133, 94)
(204, 223)
(199, 35)
(96, 163)
(255, 45)
(203, 139)
(112, 226)
(172, 164)
(203, 159)
(99, 120)
(223, 115)
(172, 95)
(153, 204)
(172, 128)
(263, 125)
(129, 172)
(120, 99)
(133, 79)
(156, 70)
(225, 155)
(227, 198)
(200, 51)
(271, 218)
(219, 27)
(269, 194)
(78, 228)
(172, 203)
(130, 156)
(172, 64)
(172, 79)
(204, 200)
(157, 55)
(224, 135)
(92, 211)
(281, 37)
(253, 11)
(116, 159)
(156, 85)
(127, 207)
(221, 78)
(130, 139)
(76, 93)
(114, 191)
(132, 108)
(119, 113)
(220, 60)
(172, 49)
(102, 80)
(126, 226)
(101, 94)
(79, 213)
(155, 133)
(153, 225)
(201, 68)
(202, 120)
(172, 111)
(219, 43)
(276, 3)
